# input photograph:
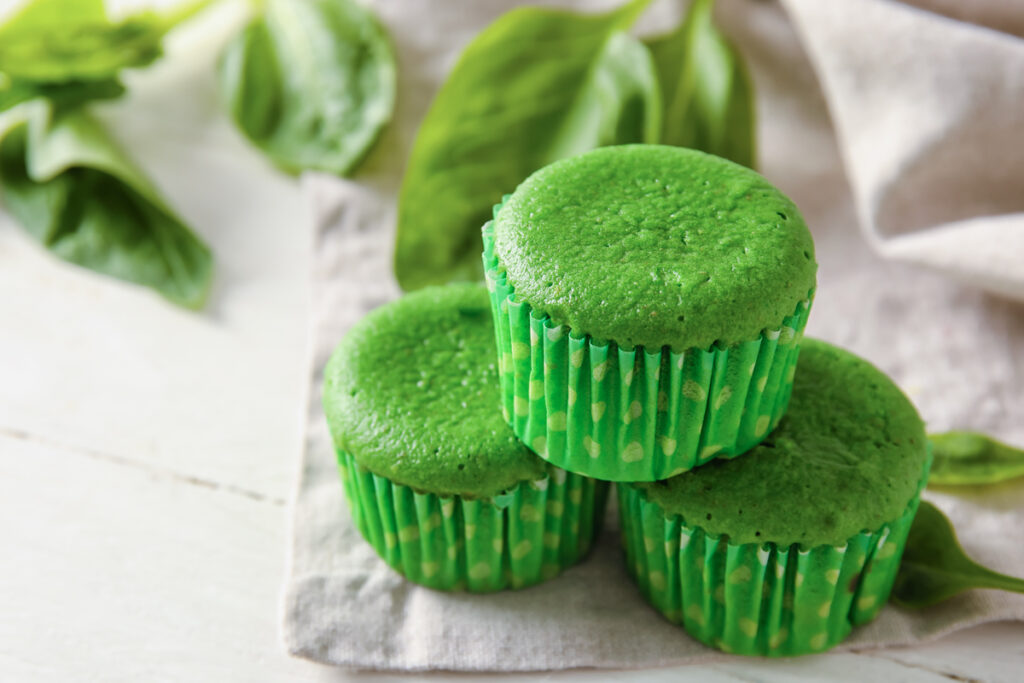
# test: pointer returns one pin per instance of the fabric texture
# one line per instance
(920, 100)
(927, 110)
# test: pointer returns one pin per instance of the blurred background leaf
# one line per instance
(708, 92)
(540, 85)
(311, 83)
(533, 87)
(62, 177)
(73, 190)
(972, 458)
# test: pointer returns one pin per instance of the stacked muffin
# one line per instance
(648, 305)
(437, 482)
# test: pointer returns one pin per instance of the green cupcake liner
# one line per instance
(619, 414)
(760, 599)
(523, 536)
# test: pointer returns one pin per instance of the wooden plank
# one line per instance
(992, 652)
(92, 363)
(117, 573)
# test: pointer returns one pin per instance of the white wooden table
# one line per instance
(147, 453)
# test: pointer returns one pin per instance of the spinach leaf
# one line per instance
(72, 189)
(970, 458)
(709, 96)
(64, 95)
(535, 86)
(55, 41)
(311, 82)
(935, 568)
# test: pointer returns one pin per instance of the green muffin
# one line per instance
(436, 481)
(785, 550)
(648, 304)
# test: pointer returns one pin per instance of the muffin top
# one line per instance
(848, 457)
(655, 246)
(411, 392)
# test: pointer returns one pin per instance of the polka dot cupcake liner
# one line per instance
(759, 599)
(526, 535)
(619, 414)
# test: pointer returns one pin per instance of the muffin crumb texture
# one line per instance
(655, 246)
(847, 457)
(412, 393)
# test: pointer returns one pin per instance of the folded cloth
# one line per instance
(953, 349)
(929, 113)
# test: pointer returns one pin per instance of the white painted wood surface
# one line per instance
(146, 453)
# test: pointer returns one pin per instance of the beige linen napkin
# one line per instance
(954, 350)
(929, 112)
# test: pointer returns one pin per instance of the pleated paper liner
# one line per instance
(760, 599)
(524, 536)
(633, 414)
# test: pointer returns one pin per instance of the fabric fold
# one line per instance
(929, 112)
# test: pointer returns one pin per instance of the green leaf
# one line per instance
(971, 458)
(69, 185)
(64, 95)
(311, 82)
(934, 567)
(535, 86)
(709, 96)
(55, 41)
